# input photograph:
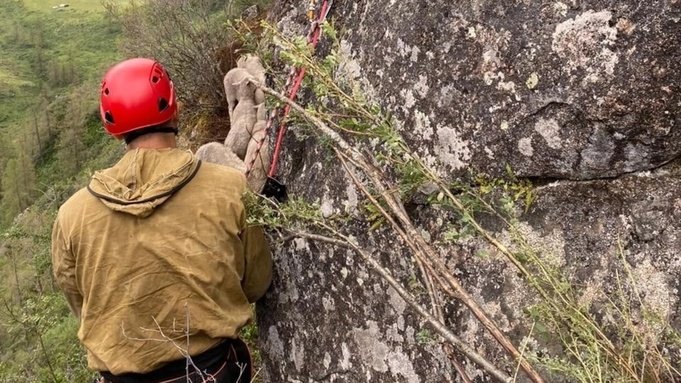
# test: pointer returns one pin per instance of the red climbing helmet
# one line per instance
(136, 94)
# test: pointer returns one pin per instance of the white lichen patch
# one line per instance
(274, 343)
(489, 153)
(298, 355)
(422, 126)
(328, 303)
(490, 77)
(350, 204)
(508, 86)
(653, 289)
(525, 146)
(409, 99)
(396, 301)
(490, 59)
(585, 42)
(345, 357)
(348, 68)
(393, 334)
(415, 54)
(532, 81)
(451, 149)
(550, 131)
(301, 245)
(471, 33)
(408, 51)
(326, 207)
(421, 87)
(409, 334)
(560, 8)
(401, 365)
(373, 350)
(446, 97)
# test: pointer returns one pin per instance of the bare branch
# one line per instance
(438, 326)
(396, 207)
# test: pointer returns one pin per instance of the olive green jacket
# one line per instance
(156, 260)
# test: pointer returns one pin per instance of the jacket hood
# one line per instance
(143, 179)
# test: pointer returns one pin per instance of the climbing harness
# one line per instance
(274, 188)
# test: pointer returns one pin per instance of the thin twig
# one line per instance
(451, 354)
(397, 208)
(438, 326)
(426, 270)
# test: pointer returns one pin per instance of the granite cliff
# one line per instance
(579, 96)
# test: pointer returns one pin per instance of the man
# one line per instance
(154, 256)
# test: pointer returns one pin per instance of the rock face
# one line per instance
(581, 96)
(573, 89)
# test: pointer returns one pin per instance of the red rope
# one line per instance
(312, 38)
(282, 125)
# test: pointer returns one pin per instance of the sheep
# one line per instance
(218, 153)
(245, 144)
(254, 66)
(243, 118)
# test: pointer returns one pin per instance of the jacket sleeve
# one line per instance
(258, 270)
(64, 268)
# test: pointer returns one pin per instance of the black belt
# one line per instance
(212, 362)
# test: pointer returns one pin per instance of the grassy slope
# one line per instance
(80, 36)
(37, 333)
(81, 40)
(16, 86)
(77, 5)
(42, 345)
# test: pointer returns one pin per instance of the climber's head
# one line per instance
(137, 97)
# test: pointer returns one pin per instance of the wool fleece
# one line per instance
(156, 259)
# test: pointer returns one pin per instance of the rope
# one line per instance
(293, 84)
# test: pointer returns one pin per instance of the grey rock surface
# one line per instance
(572, 89)
(581, 96)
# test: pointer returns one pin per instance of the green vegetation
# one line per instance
(51, 140)
(196, 46)
(48, 79)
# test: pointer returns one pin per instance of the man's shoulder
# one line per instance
(78, 200)
(221, 173)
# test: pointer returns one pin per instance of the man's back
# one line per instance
(157, 248)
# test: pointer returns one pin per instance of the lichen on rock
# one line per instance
(581, 97)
